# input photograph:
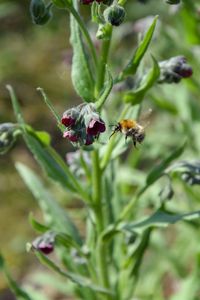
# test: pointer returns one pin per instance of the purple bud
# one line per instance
(44, 243)
(46, 248)
(68, 121)
(69, 117)
(96, 126)
(71, 136)
(174, 69)
(184, 71)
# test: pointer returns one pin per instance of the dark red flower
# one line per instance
(45, 248)
(184, 71)
(95, 127)
(89, 140)
(71, 136)
(68, 121)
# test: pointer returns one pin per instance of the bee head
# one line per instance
(117, 128)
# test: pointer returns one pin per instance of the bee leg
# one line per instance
(134, 143)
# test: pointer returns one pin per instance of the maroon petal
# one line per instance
(71, 136)
(95, 127)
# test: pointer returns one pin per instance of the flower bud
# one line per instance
(172, 2)
(71, 135)
(174, 69)
(115, 15)
(40, 13)
(44, 243)
(8, 135)
(69, 117)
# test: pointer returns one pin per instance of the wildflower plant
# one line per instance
(106, 261)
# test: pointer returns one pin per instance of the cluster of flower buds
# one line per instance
(8, 135)
(40, 13)
(174, 69)
(83, 124)
(44, 243)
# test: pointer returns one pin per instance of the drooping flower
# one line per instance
(174, 69)
(44, 243)
(83, 123)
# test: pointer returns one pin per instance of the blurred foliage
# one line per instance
(31, 56)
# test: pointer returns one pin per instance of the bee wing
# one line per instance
(144, 118)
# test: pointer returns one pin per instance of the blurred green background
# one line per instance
(32, 56)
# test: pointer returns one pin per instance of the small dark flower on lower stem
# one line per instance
(174, 69)
(44, 243)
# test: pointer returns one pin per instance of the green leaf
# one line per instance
(55, 216)
(36, 225)
(82, 78)
(133, 64)
(16, 289)
(49, 160)
(80, 280)
(15, 105)
(158, 170)
(62, 3)
(161, 219)
(106, 92)
(136, 96)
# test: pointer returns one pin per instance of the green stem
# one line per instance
(97, 191)
(101, 255)
(102, 63)
(84, 30)
(103, 267)
(111, 144)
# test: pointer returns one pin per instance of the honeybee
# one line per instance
(131, 128)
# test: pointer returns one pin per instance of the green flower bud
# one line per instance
(8, 134)
(115, 15)
(172, 2)
(40, 13)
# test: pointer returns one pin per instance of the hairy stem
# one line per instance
(102, 63)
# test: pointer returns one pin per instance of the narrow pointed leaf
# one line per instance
(80, 280)
(136, 96)
(133, 64)
(54, 214)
